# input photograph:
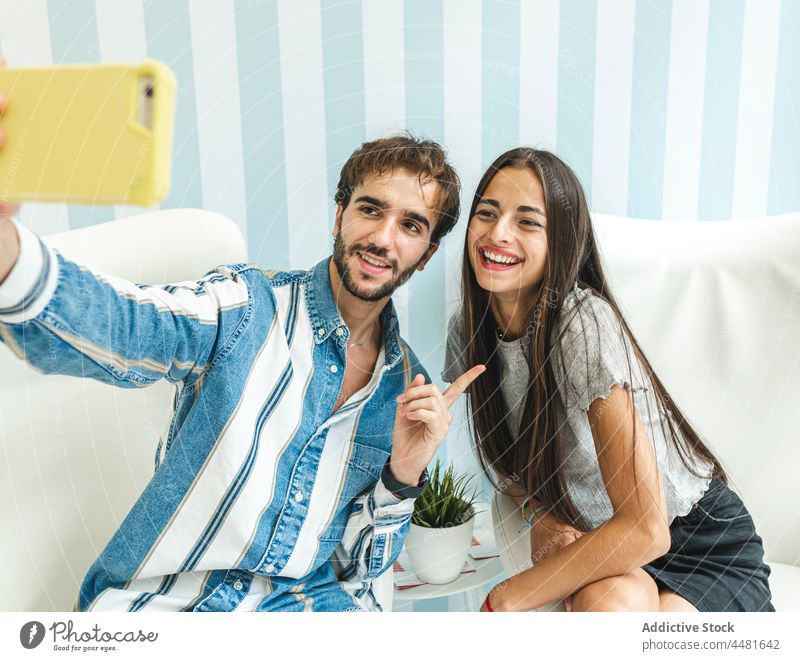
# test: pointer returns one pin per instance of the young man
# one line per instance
(302, 426)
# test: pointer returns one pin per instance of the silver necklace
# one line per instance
(350, 345)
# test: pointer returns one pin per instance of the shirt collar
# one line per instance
(325, 318)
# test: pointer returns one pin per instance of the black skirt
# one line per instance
(716, 561)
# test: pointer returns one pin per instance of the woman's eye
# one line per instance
(485, 213)
(528, 222)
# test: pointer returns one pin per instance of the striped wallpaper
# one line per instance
(674, 110)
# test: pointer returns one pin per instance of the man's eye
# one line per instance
(412, 227)
(369, 211)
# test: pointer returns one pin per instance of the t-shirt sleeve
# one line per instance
(593, 352)
(455, 357)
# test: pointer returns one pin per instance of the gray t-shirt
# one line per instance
(596, 353)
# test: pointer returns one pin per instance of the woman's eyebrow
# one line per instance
(524, 208)
(531, 210)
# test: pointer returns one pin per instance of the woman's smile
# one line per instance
(498, 259)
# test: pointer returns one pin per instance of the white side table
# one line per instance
(471, 583)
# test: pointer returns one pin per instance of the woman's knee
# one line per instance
(632, 592)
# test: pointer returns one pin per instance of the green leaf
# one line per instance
(446, 501)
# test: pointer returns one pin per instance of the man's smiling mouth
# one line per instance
(372, 264)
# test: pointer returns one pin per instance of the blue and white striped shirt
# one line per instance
(263, 498)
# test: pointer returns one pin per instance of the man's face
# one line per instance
(384, 234)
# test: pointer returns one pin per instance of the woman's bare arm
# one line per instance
(636, 533)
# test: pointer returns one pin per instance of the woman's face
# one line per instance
(506, 235)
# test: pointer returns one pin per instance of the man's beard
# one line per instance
(340, 254)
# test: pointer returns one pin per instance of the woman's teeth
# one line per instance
(499, 259)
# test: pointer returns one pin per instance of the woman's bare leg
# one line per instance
(635, 591)
(672, 602)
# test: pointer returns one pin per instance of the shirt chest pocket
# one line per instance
(364, 469)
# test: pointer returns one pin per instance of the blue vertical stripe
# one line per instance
(649, 108)
(74, 40)
(721, 109)
(784, 182)
(500, 78)
(169, 39)
(343, 72)
(424, 43)
(576, 74)
(261, 103)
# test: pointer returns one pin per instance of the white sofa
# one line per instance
(75, 453)
(716, 307)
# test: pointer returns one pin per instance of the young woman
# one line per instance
(630, 509)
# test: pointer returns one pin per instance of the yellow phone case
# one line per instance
(87, 133)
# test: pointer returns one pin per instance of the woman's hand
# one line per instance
(497, 597)
(549, 534)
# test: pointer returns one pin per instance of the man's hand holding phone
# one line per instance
(95, 134)
(9, 241)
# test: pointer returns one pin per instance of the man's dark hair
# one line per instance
(425, 158)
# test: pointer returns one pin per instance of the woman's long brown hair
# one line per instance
(530, 457)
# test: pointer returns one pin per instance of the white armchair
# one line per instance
(716, 307)
(77, 453)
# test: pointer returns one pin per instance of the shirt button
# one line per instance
(334, 369)
(321, 331)
(238, 585)
(340, 331)
(298, 497)
(269, 569)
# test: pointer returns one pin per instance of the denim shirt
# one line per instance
(263, 497)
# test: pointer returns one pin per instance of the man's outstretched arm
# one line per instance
(66, 318)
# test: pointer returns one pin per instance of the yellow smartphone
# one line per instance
(92, 134)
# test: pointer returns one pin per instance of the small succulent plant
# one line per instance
(446, 502)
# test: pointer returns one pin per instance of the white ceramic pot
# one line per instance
(437, 555)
